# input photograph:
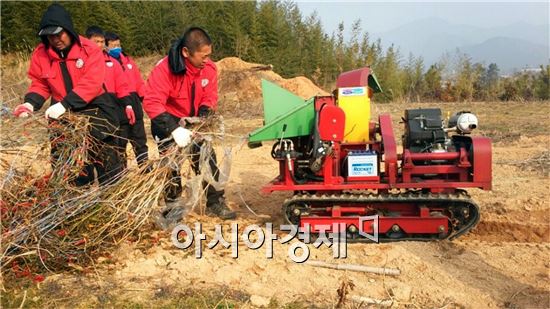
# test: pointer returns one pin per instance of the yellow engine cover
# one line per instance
(355, 102)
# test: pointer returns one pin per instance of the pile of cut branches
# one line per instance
(51, 224)
(536, 163)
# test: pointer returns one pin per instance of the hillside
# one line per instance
(509, 53)
(511, 46)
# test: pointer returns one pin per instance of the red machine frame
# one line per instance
(465, 168)
(463, 174)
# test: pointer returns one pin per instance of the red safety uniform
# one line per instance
(171, 93)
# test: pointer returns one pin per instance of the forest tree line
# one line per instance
(277, 33)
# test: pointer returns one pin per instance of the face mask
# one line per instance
(115, 52)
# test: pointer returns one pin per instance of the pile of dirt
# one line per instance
(240, 90)
(240, 84)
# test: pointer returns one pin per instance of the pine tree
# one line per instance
(467, 74)
(433, 82)
(542, 83)
(389, 75)
(413, 80)
(492, 81)
(312, 51)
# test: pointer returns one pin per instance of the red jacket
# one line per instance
(85, 64)
(171, 93)
(115, 79)
(133, 75)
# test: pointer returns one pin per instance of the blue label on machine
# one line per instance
(363, 168)
(356, 91)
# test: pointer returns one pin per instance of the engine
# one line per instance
(426, 132)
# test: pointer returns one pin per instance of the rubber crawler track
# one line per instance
(450, 202)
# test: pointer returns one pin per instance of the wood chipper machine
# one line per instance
(342, 167)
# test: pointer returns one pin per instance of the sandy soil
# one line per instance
(504, 262)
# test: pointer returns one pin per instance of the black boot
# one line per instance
(172, 213)
(85, 177)
(174, 210)
(219, 209)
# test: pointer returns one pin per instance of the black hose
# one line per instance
(273, 149)
(300, 182)
(315, 177)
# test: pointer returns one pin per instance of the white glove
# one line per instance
(24, 110)
(55, 111)
(182, 136)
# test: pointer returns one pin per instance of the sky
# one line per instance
(377, 17)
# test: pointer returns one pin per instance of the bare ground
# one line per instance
(503, 263)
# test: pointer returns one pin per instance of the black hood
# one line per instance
(56, 15)
(176, 62)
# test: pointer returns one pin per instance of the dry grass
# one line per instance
(501, 121)
(13, 70)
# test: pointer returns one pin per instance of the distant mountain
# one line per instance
(508, 53)
(512, 46)
(521, 30)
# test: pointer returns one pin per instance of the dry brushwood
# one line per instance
(354, 267)
(49, 223)
(346, 286)
(371, 302)
(539, 162)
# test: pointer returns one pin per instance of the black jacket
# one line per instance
(56, 15)
(175, 58)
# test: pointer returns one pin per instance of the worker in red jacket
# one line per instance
(184, 84)
(134, 132)
(116, 84)
(70, 69)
